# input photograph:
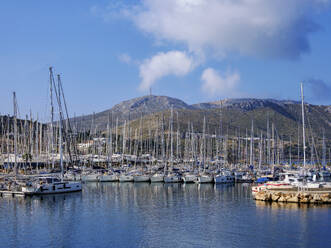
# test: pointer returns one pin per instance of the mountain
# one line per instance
(286, 122)
(130, 110)
(7, 127)
(244, 104)
(236, 113)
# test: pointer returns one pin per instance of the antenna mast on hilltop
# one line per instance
(150, 91)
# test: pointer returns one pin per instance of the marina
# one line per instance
(177, 123)
(47, 158)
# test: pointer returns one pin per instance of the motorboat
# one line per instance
(221, 178)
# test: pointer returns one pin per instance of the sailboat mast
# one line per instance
(171, 138)
(251, 145)
(268, 140)
(123, 141)
(303, 127)
(204, 144)
(37, 143)
(60, 127)
(110, 141)
(323, 150)
(15, 132)
(290, 150)
(260, 151)
(177, 138)
(52, 115)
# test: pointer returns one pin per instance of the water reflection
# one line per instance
(159, 215)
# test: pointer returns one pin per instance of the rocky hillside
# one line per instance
(130, 110)
(246, 104)
(235, 121)
(237, 113)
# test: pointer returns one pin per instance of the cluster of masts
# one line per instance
(29, 144)
(128, 153)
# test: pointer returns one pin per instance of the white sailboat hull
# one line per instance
(53, 188)
(157, 178)
(90, 178)
(171, 179)
(190, 179)
(141, 178)
(125, 178)
(108, 178)
(205, 179)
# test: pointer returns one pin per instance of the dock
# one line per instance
(292, 196)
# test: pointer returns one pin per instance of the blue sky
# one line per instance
(195, 50)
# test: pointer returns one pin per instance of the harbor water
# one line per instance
(160, 215)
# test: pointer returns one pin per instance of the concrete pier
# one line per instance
(316, 197)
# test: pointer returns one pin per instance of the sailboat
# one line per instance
(306, 184)
(191, 176)
(171, 177)
(204, 177)
(159, 176)
(141, 177)
(293, 180)
(92, 175)
(109, 175)
(126, 177)
(52, 184)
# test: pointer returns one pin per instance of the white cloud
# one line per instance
(163, 64)
(261, 28)
(215, 84)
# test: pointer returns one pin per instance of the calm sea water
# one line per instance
(160, 215)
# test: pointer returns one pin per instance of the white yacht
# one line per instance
(224, 177)
(50, 185)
